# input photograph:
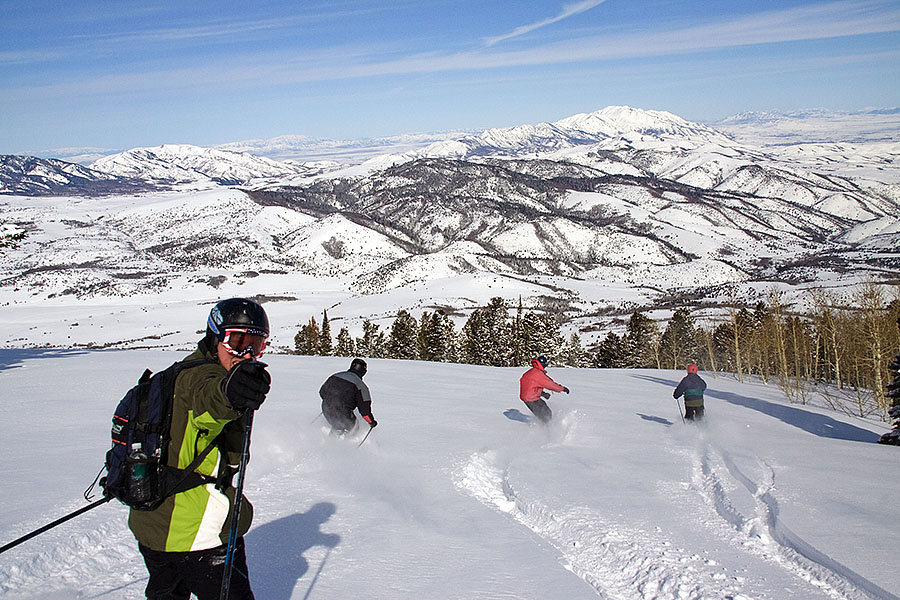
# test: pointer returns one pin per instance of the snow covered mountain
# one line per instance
(305, 149)
(184, 163)
(814, 126)
(31, 176)
(600, 213)
(616, 126)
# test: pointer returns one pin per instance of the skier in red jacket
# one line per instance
(531, 389)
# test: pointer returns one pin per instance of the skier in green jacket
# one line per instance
(184, 541)
(692, 387)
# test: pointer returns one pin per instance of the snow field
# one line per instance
(455, 495)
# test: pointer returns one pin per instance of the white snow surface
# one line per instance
(456, 494)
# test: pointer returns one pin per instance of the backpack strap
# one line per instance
(181, 480)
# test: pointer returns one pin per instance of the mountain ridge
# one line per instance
(633, 218)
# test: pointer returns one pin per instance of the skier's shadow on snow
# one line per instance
(514, 414)
(15, 358)
(275, 551)
(816, 424)
(654, 419)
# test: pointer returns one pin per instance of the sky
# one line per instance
(457, 495)
(105, 75)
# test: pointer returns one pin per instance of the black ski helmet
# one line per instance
(542, 360)
(237, 313)
(359, 367)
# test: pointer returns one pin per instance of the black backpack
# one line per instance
(137, 473)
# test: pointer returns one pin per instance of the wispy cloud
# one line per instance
(568, 10)
(267, 69)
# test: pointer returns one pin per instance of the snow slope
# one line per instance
(456, 495)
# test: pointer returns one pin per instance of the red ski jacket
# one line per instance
(534, 381)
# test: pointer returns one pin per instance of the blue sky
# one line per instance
(118, 75)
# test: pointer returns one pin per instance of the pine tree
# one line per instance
(403, 339)
(542, 336)
(640, 343)
(423, 339)
(678, 344)
(445, 330)
(326, 348)
(518, 356)
(496, 333)
(372, 343)
(893, 392)
(307, 339)
(574, 355)
(472, 348)
(345, 345)
(611, 351)
(437, 337)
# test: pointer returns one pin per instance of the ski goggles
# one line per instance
(241, 342)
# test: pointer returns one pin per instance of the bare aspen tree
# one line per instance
(874, 332)
(733, 314)
(828, 330)
(710, 350)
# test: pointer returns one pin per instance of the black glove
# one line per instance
(246, 385)
(545, 395)
(565, 389)
(373, 423)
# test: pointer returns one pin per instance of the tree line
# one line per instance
(838, 352)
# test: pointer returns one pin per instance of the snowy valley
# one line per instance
(591, 217)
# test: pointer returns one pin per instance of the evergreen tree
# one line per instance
(611, 351)
(496, 333)
(641, 343)
(307, 339)
(541, 336)
(678, 344)
(471, 339)
(403, 339)
(893, 392)
(446, 338)
(425, 333)
(326, 347)
(372, 343)
(518, 357)
(436, 337)
(574, 355)
(345, 345)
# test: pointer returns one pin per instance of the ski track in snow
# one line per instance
(763, 533)
(617, 562)
(101, 564)
(631, 563)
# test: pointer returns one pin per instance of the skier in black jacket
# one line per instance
(344, 392)
(692, 386)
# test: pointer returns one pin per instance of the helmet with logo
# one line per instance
(241, 324)
(692, 368)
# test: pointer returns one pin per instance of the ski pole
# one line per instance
(678, 403)
(365, 438)
(59, 521)
(238, 496)
(317, 417)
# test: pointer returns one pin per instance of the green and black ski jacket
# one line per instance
(199, 518)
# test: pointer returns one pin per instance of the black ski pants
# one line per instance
(175, 575)
(540, 410)
(693, 413)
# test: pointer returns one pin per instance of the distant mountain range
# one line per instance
(595, 214)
